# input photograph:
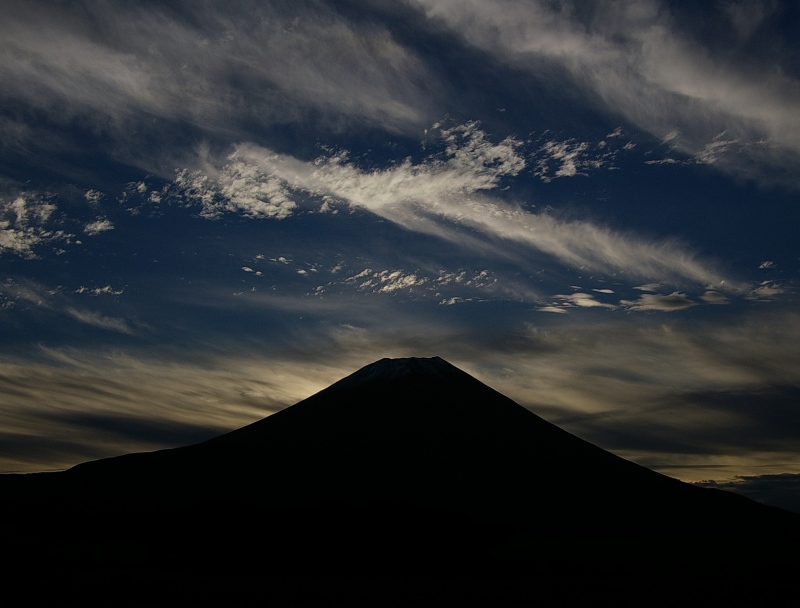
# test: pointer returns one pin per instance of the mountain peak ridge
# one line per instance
(401, 368)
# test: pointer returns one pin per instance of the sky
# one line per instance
(211, 210)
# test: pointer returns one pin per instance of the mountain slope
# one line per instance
(413, 430)
(405, 456)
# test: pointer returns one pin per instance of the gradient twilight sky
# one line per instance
(210, 210)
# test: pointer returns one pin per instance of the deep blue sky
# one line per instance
(210, 210)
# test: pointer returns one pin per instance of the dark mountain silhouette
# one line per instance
(406, 470)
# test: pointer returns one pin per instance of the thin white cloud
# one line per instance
(99, 291)
(96, 319)
(443, 193)
(580, 300)
(715, 149)
(98, 226)
(388, 281)
(74, 405)
(448, 287)
(638, 61)
(93, 196)
(564, 153)
(237, 190)
(453, 301)
(766, 290)
(664, 303)
(714, 297)
(613, 383)
(220, 69)
(555, 309)
(24, 225)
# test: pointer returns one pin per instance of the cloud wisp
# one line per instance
(445, 195)
(680, 398)
(26, 223)
(134, 72)
(735, 108)
(106, 404)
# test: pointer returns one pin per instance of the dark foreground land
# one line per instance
(409, 483)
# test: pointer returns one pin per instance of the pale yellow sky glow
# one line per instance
(661, 411)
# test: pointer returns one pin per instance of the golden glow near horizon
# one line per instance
(663, 412)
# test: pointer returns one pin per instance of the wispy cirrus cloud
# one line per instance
(660, 302)
(727, 103)
(97, 319)
(445, 195)
(683, 398)
(136, 72)
(68, 405)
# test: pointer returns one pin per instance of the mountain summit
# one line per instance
(404, 456)
(386, 370)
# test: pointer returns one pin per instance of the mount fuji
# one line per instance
(406, 468)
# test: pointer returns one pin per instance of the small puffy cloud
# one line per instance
(766, 290)
(665, 303)
(396, 280)
(93, 196)
(238, 188)
(714, 297)
(448, 287)
(388, 281)
(98, 226)
(25, 224)
(99, 291)
(581, 300)
(454, 300)
(555, 309)
(604, 290)
(569, 158)
(566, 154)
(481, 278)
(766, 264)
